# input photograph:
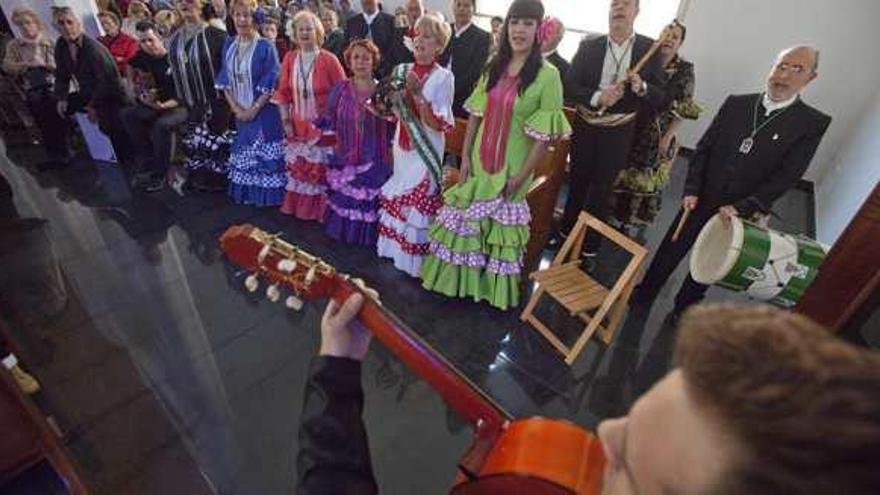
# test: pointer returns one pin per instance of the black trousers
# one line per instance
(597, 156)
(670, 254)
(151, 133)
(53, 128)
(108, 121)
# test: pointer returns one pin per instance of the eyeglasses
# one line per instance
(786, 67)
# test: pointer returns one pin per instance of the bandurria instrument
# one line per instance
(533, 456)
(599, 118)
(768, 265)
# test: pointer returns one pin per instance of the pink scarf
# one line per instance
(496, 124)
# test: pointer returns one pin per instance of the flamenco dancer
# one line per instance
(247, 78)
(307, 76)
(411, 197)
(480, 234)
(361, 162)
(195, 53)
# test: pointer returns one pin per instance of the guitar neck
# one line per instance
(455, 388)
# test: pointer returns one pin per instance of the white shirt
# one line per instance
(459, 32)
(370, 17)
(611, 72)
(772, 106)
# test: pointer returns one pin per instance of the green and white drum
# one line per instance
(768, 265)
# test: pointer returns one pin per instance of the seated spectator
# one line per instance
(122, 46)
(137, 12)
(109, 6)
(496, 24)
(99, 91)
(167, 22)
(270, 30)
(156, 113)
(30, 59)
(335, 37)
(346, 12)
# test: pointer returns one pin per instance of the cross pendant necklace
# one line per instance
(749, 142)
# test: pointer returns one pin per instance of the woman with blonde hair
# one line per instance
(167, 22)
(31, 60)
(247, 79)
(137, 12)
(423, 106)
(307, 76)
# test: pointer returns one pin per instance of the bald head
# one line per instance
(805, 51)
(793, 70)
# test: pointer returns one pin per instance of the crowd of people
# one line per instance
(340, 117)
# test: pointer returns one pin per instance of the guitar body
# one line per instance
(539, 456)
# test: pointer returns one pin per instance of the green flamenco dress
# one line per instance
(479, 236)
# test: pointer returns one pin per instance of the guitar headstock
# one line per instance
(279, 264)
(284, 267)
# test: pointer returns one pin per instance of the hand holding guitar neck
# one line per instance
(341, 334)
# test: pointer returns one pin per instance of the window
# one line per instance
(588, 16)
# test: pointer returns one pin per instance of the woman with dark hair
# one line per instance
(480, 234)
(639, 187)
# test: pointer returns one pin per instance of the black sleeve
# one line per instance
(62, 72)
(576, 89)
(693, 185)
(334, 456)
(655, 78)
(792, 168)
(108, 83)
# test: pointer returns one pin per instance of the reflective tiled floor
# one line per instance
(169, 378)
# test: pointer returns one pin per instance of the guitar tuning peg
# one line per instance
(273, 293)
(287, 265)
(252, 283)
(267, 248)
(294, 303)
(310, 276)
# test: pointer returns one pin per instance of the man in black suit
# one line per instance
(757, 147)
(599, 79)
(377, 26)
(99, 87)
(405, 35)
(549, 46)
(466, 53)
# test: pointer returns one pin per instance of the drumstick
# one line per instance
(680, 227)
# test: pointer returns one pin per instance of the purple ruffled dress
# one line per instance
(358, 167)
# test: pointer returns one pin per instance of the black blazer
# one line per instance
(469, 53)
(384, 36)
(560, 63)
(720, 175)
(585, 75)
(94, 70)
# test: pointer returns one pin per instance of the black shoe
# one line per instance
(557, 240)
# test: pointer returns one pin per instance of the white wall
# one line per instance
(853, 175)
(86, 9)
(733, 44)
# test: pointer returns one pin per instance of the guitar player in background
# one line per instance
(736, 416)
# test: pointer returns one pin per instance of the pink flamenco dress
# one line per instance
(411, 197)
(305, 84)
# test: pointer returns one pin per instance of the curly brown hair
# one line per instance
(366, 45)
(804, 404)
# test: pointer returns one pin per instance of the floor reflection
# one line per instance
(169, 377)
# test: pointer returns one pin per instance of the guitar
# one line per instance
(533, 456)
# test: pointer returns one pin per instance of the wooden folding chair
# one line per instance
(598, 307)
